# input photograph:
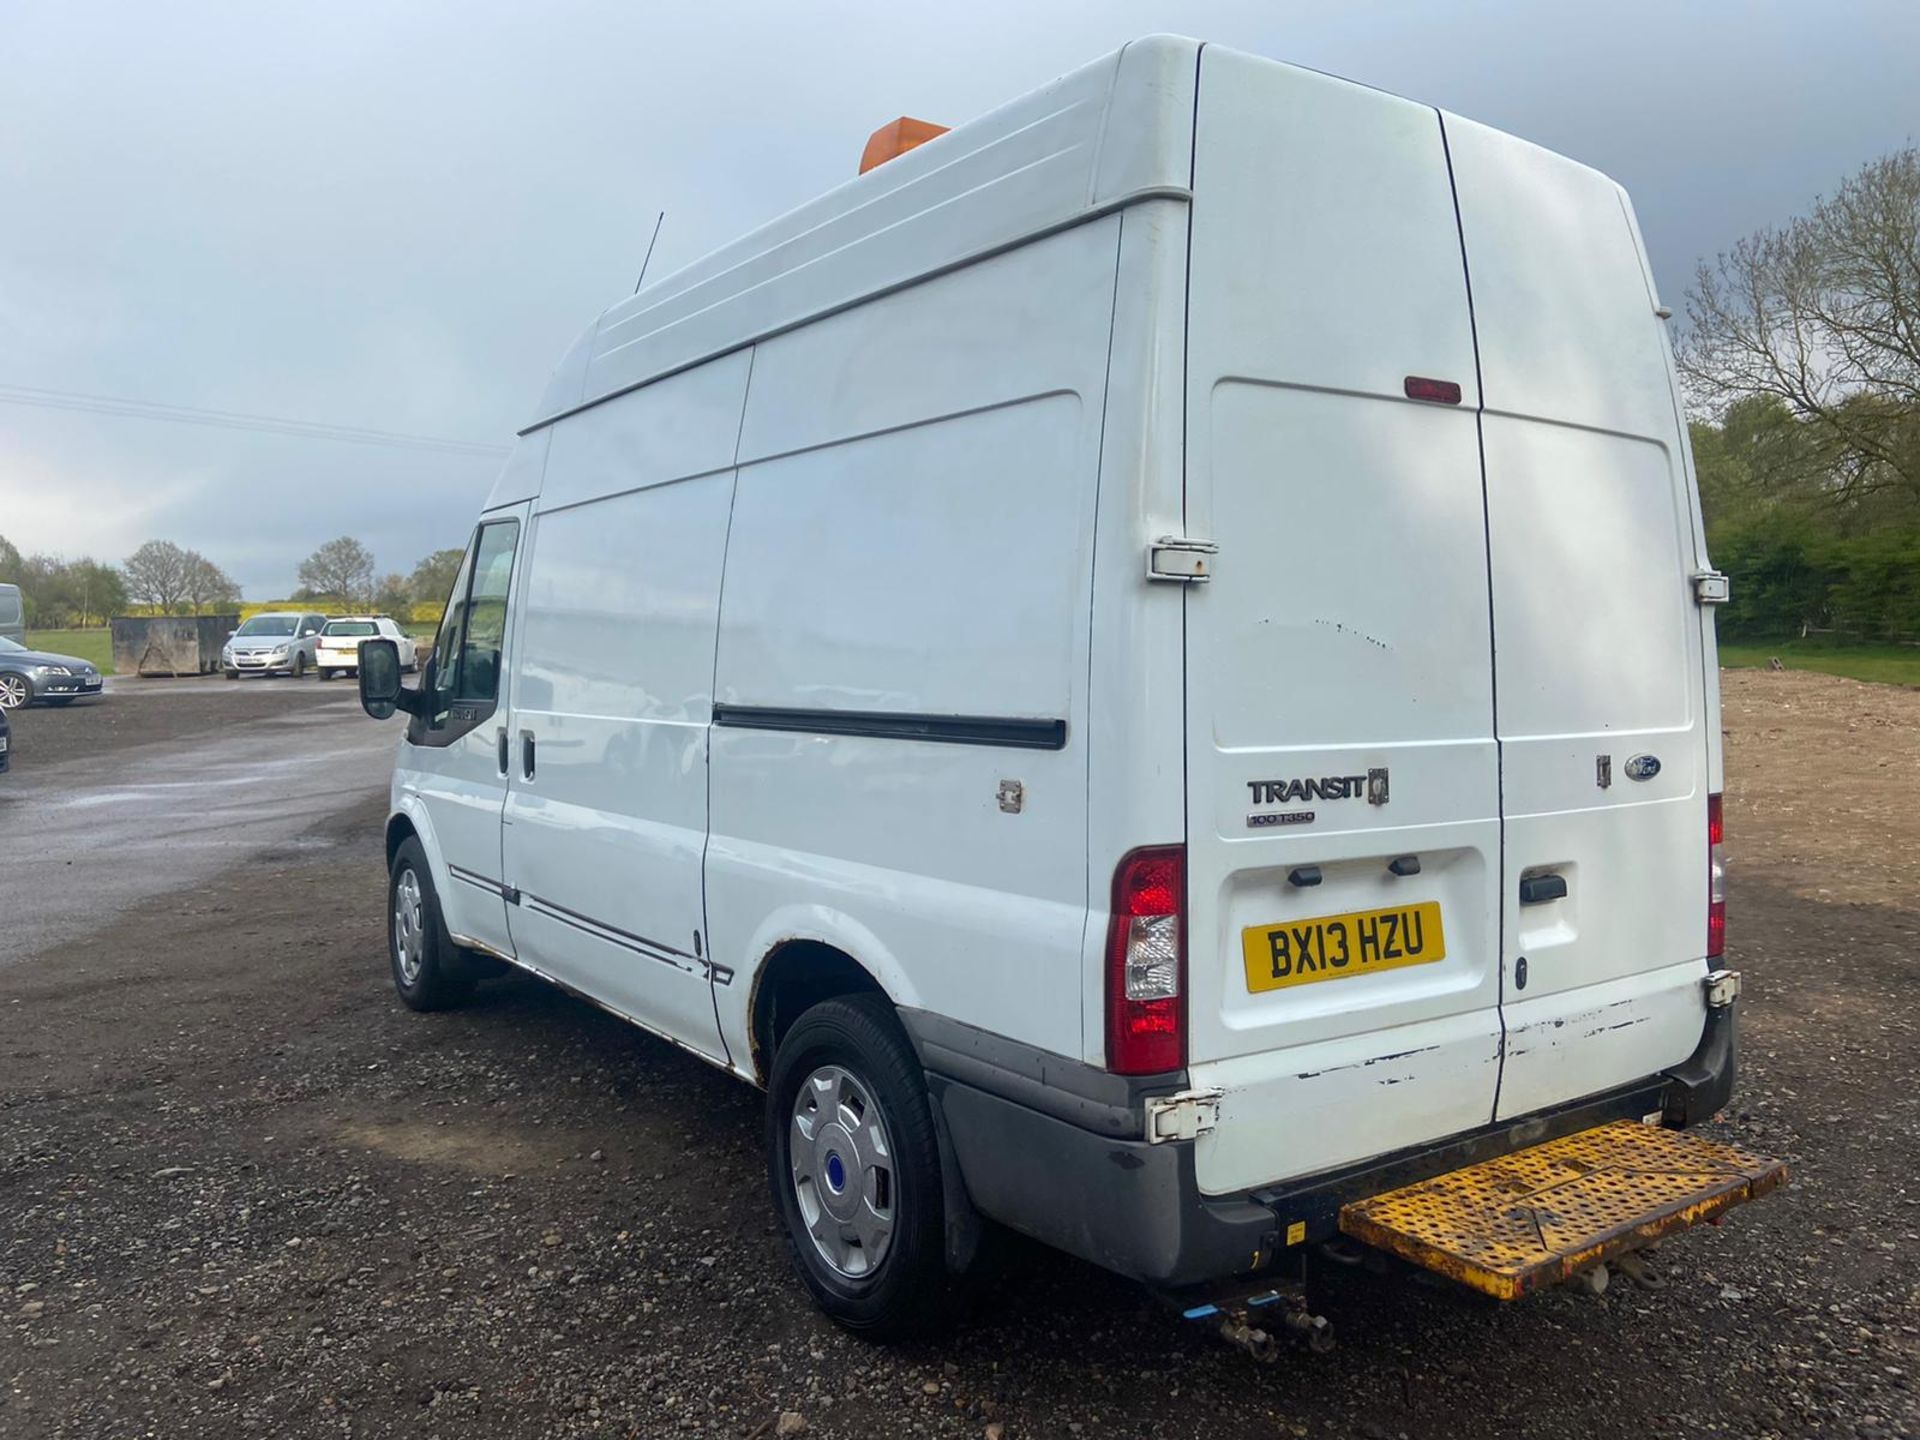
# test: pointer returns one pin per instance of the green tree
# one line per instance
(103, 591)
(392, 597)
(432, 579)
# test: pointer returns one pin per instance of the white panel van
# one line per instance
(13, 614)
(1144, 668)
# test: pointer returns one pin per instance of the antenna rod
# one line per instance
(650, 244)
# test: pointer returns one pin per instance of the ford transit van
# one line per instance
(1146, 668)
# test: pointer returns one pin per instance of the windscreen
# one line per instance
(270, 625)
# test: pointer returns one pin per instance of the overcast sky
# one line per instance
(397, 216)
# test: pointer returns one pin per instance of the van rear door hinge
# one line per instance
(1710, 587)
(1182, 1116)
(1174, 557)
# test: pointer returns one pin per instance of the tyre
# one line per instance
(300, 666)
(325, 674)
(854, 1166)
(428, 969)
(233, 674)
(15, 691)
(60, 700)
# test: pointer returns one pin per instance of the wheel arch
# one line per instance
(410, 821)
(400, 829)
(794, 975)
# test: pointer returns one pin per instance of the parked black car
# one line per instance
(6, 743)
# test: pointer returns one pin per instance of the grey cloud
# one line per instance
(399, 216)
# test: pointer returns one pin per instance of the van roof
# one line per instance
(1104, 136)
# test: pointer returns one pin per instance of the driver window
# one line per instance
(446, 645)
(466, 667)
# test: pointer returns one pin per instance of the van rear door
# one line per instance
(1600, 650)
(1343, 831)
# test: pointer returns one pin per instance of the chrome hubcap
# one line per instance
(13, 691)
(409, 933)
(843, 1177)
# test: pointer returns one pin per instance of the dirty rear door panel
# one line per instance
(1597, 638)
(1345, 633)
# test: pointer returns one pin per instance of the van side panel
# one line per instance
(1136, 712)
(1344, 631)
(615, 671)
(1599, 643)
(912, 537)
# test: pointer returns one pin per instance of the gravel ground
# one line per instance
(248, 1193)
(134, 712)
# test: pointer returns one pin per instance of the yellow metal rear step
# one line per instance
(1524, 1221)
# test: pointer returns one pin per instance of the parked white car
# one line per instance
(339, 645)
(1004, 657)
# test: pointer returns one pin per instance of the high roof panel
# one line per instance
(1106, 135)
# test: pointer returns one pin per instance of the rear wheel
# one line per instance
(15, 691)
(428, 969)
(855, 1168)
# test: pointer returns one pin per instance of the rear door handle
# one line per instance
(526, 754)
(1538, 889)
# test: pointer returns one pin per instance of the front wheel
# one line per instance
(233, 674)
(15, 691)
(300, 666)
(855, 1168)
(325, 674)
(428, 969)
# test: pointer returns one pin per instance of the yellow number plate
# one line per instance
(1331, 947)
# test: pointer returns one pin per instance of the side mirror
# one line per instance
(381, 692)
(309, 634)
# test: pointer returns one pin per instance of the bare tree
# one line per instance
(206, 584)
(156, 574)
(1823, 315)
(342, 570)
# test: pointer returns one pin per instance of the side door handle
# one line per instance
(526, 754)
(1538, 889)
(500, 739)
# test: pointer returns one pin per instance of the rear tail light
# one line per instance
(1716, 881)
(1146, 963)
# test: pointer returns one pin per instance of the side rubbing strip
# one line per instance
(1012, 732)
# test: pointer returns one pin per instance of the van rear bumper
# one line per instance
(1054, 1149)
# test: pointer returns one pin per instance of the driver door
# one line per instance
(453, 772)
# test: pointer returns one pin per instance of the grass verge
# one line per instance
(1882, 664)
(92, 645)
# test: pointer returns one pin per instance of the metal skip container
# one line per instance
(170, 644)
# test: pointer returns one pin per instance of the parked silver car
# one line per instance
(275, 641)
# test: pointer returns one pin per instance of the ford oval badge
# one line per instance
(1643, 767)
